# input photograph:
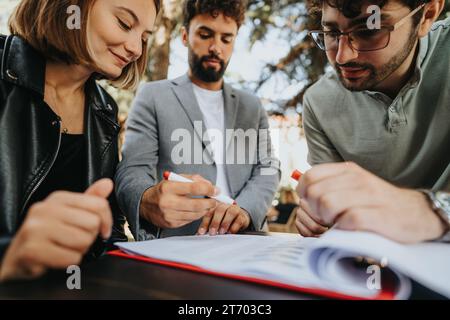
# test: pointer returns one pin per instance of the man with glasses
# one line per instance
(378, 124)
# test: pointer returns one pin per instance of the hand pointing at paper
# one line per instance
(346, 195)
(224, 219)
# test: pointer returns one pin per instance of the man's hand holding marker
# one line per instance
(306, 225)
(348, 197)
(182, 199)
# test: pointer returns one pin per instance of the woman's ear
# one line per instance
(431, 14)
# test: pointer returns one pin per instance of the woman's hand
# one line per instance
(58, 231)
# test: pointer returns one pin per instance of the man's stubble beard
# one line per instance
(375, 77)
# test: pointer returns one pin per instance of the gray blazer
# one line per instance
(165, 115)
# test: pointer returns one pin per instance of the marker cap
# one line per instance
(166, 175)
(296, 175)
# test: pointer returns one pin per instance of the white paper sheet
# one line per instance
(426, 263)
(284, 259)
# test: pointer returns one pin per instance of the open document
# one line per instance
(340, 264)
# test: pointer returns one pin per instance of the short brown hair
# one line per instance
(234, 9)
(42, 23)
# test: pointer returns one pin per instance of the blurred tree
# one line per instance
(168, 28)
(304, 62)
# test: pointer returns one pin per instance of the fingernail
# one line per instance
(222, 231)
(216, 191)
(201, 231)
(212, 232)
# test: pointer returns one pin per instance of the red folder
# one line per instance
(386, 294)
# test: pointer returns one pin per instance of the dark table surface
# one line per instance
(118, 278)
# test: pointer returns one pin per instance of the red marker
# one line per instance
(296, 175)
(170, 176)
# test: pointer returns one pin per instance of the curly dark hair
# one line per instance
(234, 9)
(352, 8)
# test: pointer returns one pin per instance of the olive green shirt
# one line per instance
(406, 140)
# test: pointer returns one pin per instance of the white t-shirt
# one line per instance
(212, 106)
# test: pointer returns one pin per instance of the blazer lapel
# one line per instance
(185, 94)
(231, 110)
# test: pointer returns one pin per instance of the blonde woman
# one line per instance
(59, 131)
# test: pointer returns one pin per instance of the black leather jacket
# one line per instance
(30, 137)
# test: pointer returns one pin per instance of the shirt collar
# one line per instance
(22, 65)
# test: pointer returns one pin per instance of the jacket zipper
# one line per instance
(47, 172)
(105, 117)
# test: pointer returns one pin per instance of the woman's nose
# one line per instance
(134, 48)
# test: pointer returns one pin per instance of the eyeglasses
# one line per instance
(360, 39)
